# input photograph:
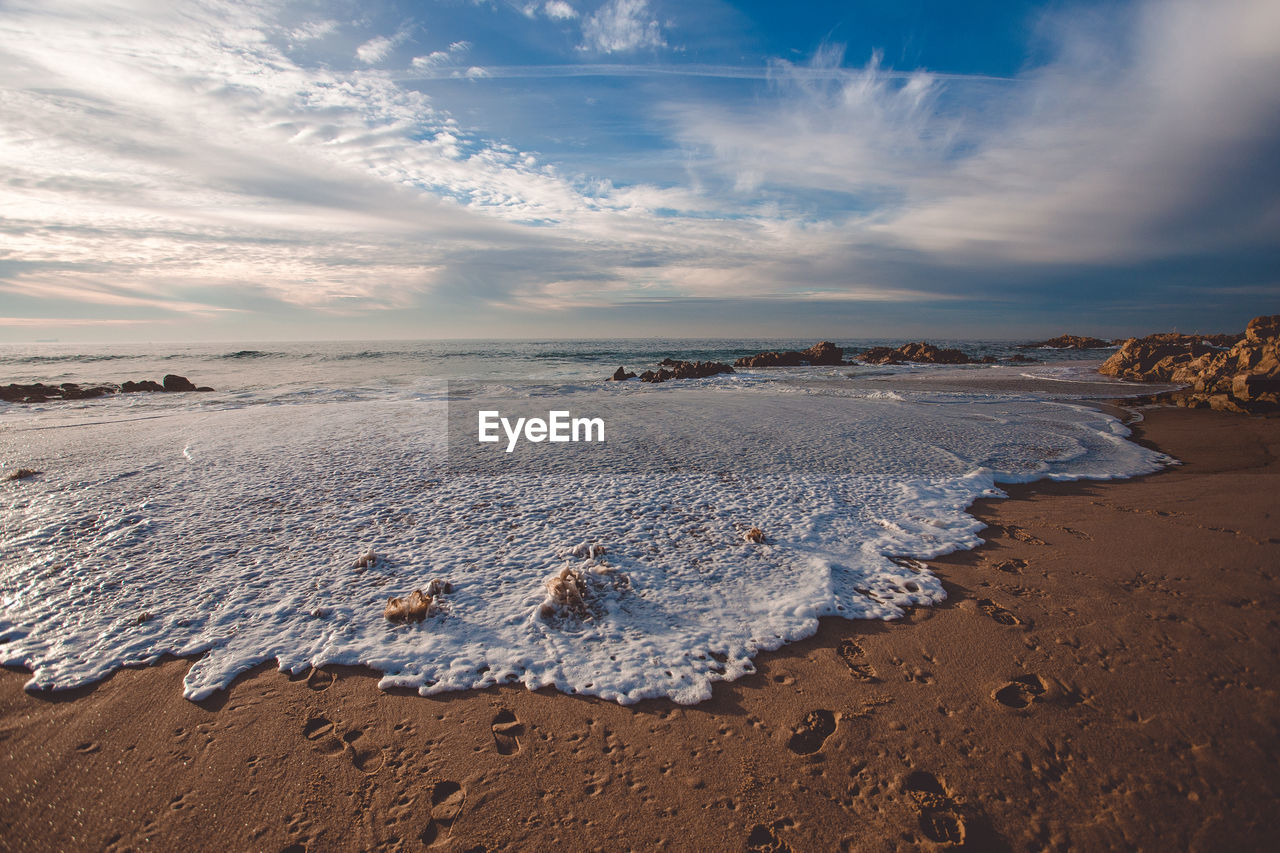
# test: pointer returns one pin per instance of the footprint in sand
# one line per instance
(1013, 566)
(851, 653)
(506, 732)
(367, 759)
(447, 799)
(1021, 535)
(319, 680)
(998, 613)
(1021, 691)
(319, 731)
(764, 838)
(812, 732)
(939, 819)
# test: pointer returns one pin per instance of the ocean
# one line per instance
(228, 526)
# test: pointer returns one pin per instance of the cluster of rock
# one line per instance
(1244, 378)
(823, 353)
(41, 393)
(1071, 342)
(921, 352)
(670, 368)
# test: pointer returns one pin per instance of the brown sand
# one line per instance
(1103, 676)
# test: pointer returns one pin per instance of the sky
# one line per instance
(191, 170)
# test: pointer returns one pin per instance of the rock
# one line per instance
(684, 370)
(916, 352)
(173, 382)
(621, 375)
(1152, 361)
(22, 474)
(1262, 329)
(1070, 342)
(821, 353)
(1223, 341)
(825, 353)
(790, 358)
(1245, 378)
(41, 393)
(131, 387)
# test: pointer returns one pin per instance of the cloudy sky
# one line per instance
(575, 168)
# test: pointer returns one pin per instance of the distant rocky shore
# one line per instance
(42, 393)
(821, 354)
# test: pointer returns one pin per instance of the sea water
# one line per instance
(227, 526)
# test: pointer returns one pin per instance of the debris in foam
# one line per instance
(418, 605)
(755, 535)
(578, 592)
(366, 561)
(415, 608)
(587, 551)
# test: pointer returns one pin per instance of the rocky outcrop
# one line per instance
(1244, 378)
(922, 353)
(41, 393)
(1070, 342)
(1153, 361)
(621, 375)
(823, 353)
(672, 369)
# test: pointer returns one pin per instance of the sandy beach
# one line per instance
(1103, 675)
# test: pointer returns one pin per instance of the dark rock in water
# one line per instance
(825, 353)
(1070, 342)
(173, 382)
(41, 393)
(621, 375)
(1223, 341)
(130, 387)
(684, 370)
(921, 352)
(1245, 378)
(790, 358)
(204, 388)
(821, 353)
(1019, 358)
(987, 359)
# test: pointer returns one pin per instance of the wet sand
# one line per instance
(1103, 675)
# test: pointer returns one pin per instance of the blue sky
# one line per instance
(577, 168)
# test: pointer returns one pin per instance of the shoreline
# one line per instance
(1006, 717)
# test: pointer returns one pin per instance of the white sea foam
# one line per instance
(233, 532)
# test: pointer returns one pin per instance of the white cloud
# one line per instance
(375, 50)
(436, 57)
(620, 26)
(1135, 143)
(559, 10)
(313, 30)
